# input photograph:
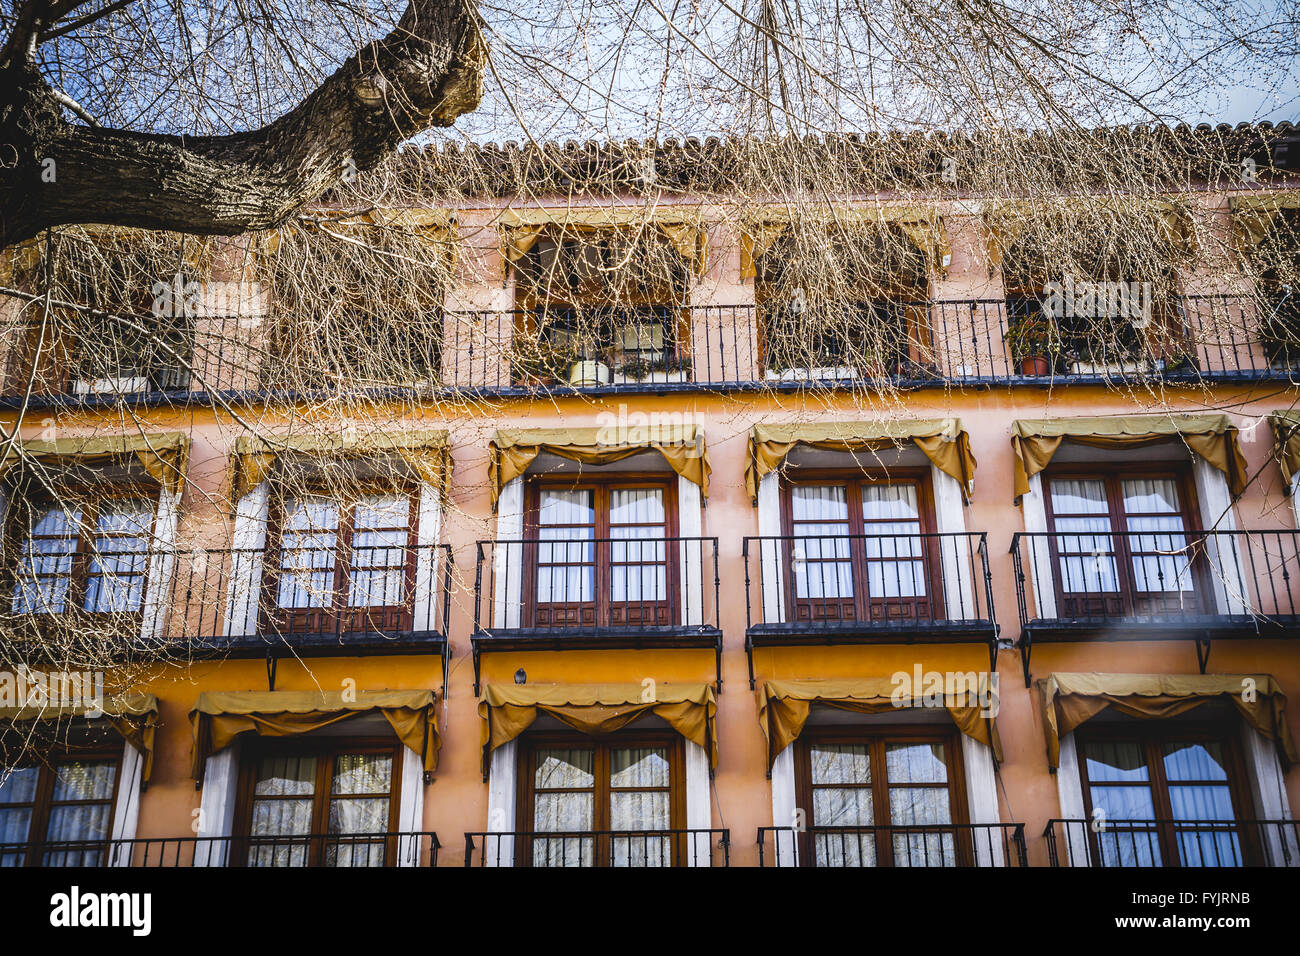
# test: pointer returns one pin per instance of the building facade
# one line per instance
(674, 586)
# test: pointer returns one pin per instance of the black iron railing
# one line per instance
(399, 848)
(590, 593)
(659, 349)
(935, 845)
(1156, 585)
(1183, 843)
(591, 848)
(868, 588)
(253, 601)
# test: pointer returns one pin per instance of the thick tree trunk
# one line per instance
(426, 73)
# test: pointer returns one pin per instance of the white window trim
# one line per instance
(1229, 574)
(1263, 773)
(503, 783)
(249, 541)
(981, 802)
(220, 792)
(508, 559)
(1034, 510)
(162, 563)
(126, 809)
(769, 526)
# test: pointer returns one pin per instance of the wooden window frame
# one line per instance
(1151, 735)
(43, 803)
(339, 617)
(877, 738)
(325, 750)
(863, 608)
(88, 498)
(1126, 600)
(602, 611)
(602, 745)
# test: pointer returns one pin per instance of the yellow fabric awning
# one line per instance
(784, 707)
(1035, 441)
(164, 455)
(1072, 699)
(426, 452)
(511, 451)
(942, 440)
(507, 710)
(134, 716)
(923, 227)
(1253, 216)
(218, 718)
(684, 229)
(1286, 431)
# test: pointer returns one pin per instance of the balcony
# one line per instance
(399, 848)
(235, 602)
(647, 350)
(590, 848)
(1173, 843)
(596, 593)
(868, 589)
(938, 845)
(1192, 586)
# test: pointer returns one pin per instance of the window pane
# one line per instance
(119, 560)
(1162, 532)
(636, 506)
(1083, 527)
(379, 551)
(45, 563)
(307, 553)
(639, 767)
(574, 580)
(76, 784)
(285, 776)
(1110, 764)
(17, 786)
(564, 769)
(363, 773)
(821, 565)
(882, 501)
(819, 503)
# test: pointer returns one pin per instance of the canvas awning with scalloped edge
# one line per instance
(164, 455)
(507, 710)
(219, 717)
(1070, 700)
(134, 716)
(1034, 442)
(685, 231)
(426, 452)
(942, 440)
(511, 451)
(785, 705)
(922, 226)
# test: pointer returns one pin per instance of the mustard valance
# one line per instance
(218, 718)
(511, 451)
(1004, 223)
(922, 226)
(164, 455)
(426, 452)
(683, 228)
(1072, 699)
(1286, 431)
(507, 710)
(1253, 216)
(133, 716)
(1035, 441)
(942, 440)
(784, 706)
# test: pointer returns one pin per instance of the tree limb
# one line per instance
(425, 73)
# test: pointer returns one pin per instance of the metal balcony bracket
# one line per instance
(478, 664)
(749, 655)
(1203, 652)
(271, 662)
(446, 665)
(717, 660)
(1026, 640)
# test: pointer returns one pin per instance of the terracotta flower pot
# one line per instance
(1035, 365)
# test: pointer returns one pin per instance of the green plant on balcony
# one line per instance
(1035, 345)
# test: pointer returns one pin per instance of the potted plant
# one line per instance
(588, 372)
(1035, 345)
